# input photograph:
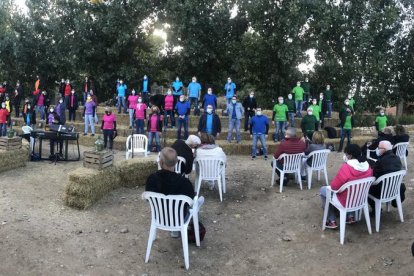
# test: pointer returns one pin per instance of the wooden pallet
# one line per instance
(10, 143)
(97, 159)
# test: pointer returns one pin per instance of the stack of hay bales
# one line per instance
(86, 186)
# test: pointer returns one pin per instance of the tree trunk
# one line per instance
(400, 108)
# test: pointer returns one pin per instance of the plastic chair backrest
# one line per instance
(210, 168)
(291, 162)
(180, 162)
(391, 183)
(357, 192)
(139, 141)
(401, 149)
(26, 129)
(319, 158)
(167, 211)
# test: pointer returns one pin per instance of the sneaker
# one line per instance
(331, 224)
(85, 134)
(265, 157)
(350, 220)
(253, 157)
(92, 134)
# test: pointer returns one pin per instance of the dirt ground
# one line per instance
(254, 231)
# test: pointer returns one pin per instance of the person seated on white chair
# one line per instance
(355, 167)
(167, 182)
(185, 150)
(208, 148)
(318, 143)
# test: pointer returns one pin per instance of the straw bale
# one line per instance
(134, 172)
(13, 159)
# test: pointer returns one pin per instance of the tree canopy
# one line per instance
(363, 47)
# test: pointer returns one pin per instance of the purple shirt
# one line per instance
(89, 107)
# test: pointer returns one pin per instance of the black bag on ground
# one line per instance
(331, 132)
(191, 233)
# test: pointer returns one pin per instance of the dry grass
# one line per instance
(13, 159)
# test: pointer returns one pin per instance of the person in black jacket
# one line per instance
(62, 85)
(388, 162)
(185, 150)
(16, 97)
(209, 123)
(72, 105)
(400, 136)
(324, 108)
(250, 106)
(385, 135)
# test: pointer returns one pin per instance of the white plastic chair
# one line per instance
(369, 155)
(167, 213)
(180, 162)
(319, 159)
(291, 164)
(137, 143)
(400, 151)
(211, 169)
(28, 130)
(390, 190)
(356, 199)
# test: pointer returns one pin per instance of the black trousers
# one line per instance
(72, 114)
(108, 135)
(247, 116)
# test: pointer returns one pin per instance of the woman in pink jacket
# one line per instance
(132, 102)
(140, 115)
(169, 108)
(355, 167)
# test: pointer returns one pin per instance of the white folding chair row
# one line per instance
(318, 164)
(136, 143)
(168, 213)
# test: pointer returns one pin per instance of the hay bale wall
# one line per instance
(86, 186)
(13, 159)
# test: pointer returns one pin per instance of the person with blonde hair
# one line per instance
(318, 143)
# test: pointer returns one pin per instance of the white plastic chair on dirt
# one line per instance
(390, 190)
(400, 151)
(136, 143)
(168, 213)
(318, 164)
(211, 169)
(291, 164)
(356, 199)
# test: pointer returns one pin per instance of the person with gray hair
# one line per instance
(388, 162)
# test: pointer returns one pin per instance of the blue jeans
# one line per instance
(329, 108)
(131, 117)
(228, 100)
(347, 133)
(3, 129)
(299, 108)
(182, 122)
(291, 119)
(139, 125)
(155, 135)
(262, 139)
(41, 109)
(169, 114)
(195, 101)
(234, 123)
(121, 101)
(280, 130)
(89, 120)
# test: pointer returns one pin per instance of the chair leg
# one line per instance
(326, 176)
(309, 172)
(299, 179)
(273, 177)
(223, 179)
(151, 239)
(282, 176)
(367, 219)
(377, 215)
(325, 214)
(198, 185)
(342, 224)
(196, 229)
(399, 206)
(219, 184)
(184, 241)
(405, 162)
